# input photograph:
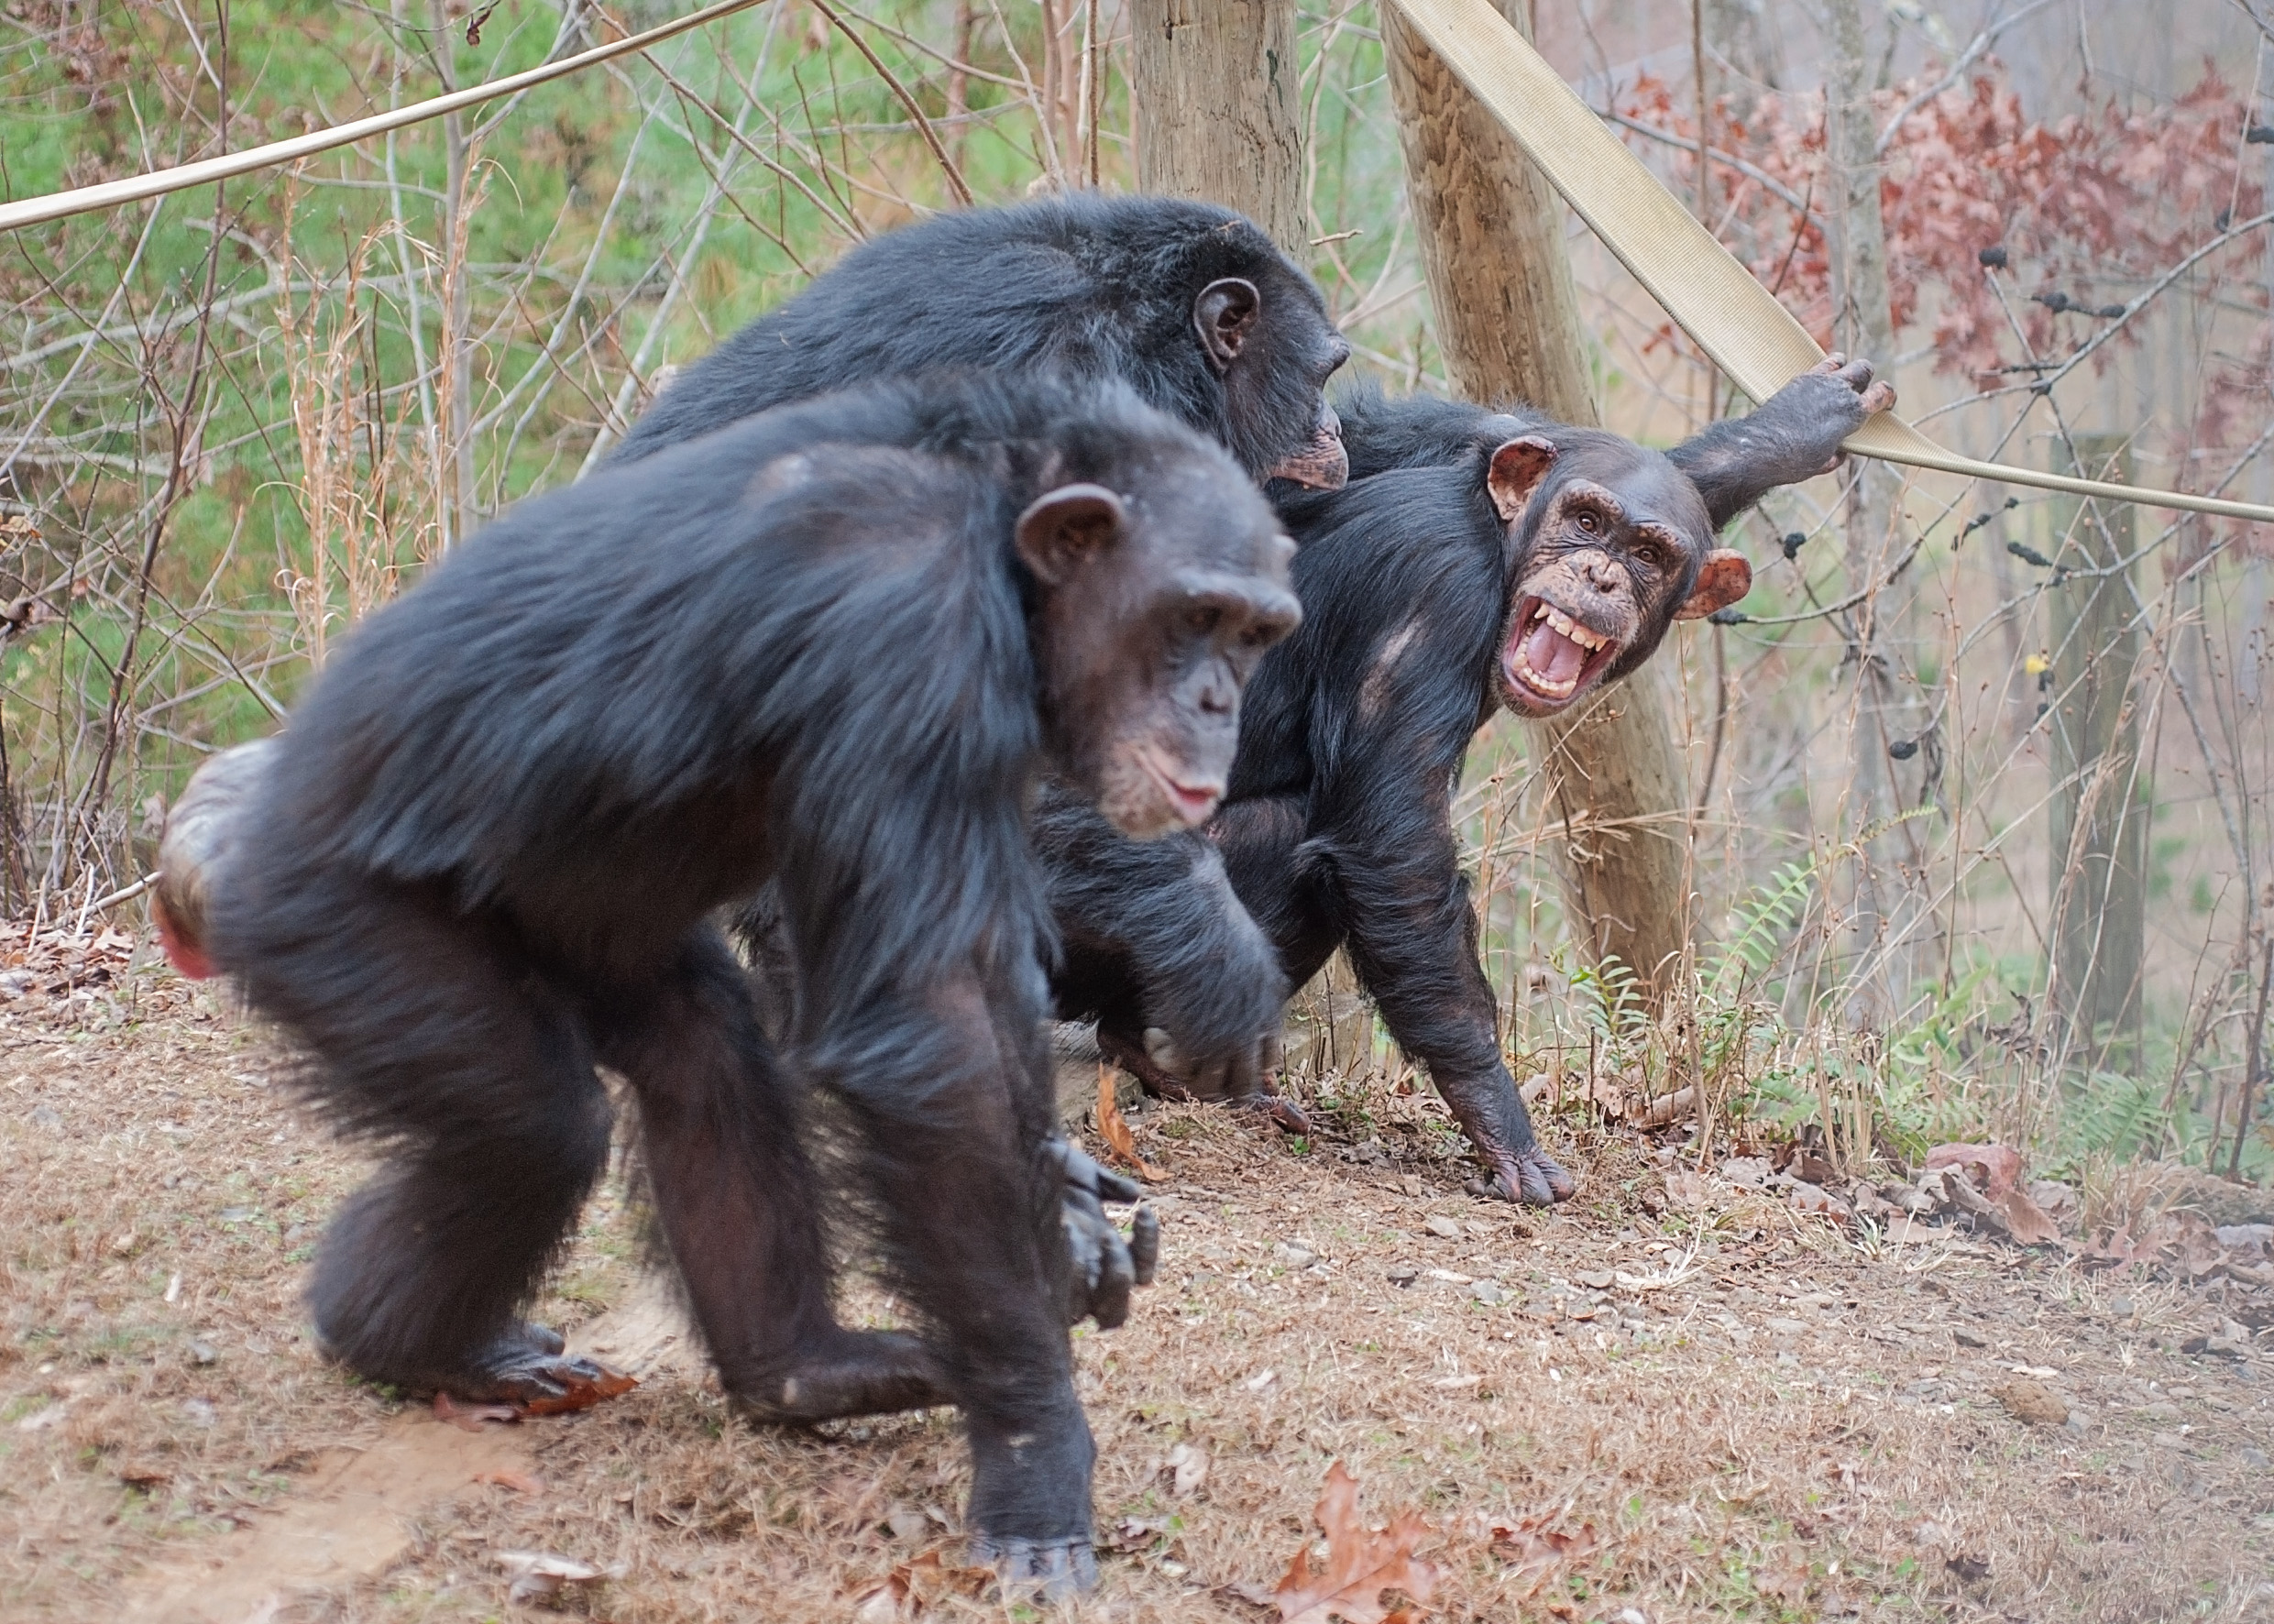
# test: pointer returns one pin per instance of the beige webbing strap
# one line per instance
(1700, 284)
(110, 195)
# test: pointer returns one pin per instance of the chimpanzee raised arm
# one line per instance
(834, 644)
(1476, 560)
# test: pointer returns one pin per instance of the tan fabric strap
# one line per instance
(1701, 285)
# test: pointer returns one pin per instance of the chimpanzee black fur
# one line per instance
(1421, 583)
(834, 645)
(1187, 302)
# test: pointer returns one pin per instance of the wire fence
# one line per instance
(1976, 799)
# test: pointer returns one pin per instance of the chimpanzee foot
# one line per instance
(1531, 1177)
(525, 1365)
(1056, 1568)
(855, 1373)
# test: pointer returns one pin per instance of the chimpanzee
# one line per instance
(832, 645)
(1476, 560)
(1190, 303)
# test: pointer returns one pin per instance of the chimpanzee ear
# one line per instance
(1518, 466)
(1063, 529)
(1722, 579)
(1223, 314)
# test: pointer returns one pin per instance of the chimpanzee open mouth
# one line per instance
(1551, 657)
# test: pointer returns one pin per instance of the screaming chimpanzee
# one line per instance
(832, 646)
(1476, 560)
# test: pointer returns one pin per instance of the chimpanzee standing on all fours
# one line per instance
(834, 646)
(1476, 560)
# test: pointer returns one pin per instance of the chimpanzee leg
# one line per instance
(740, 1205)
(1413, 941)
(430, 1034)
(953, 1099)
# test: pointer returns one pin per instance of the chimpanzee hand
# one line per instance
(1105, 1265)
(1491, 1112)
(1244, 1076)
(1794, 435)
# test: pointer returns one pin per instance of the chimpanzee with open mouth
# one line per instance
(1476, 560)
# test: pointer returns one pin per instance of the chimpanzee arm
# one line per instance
(1794, 435)
(1384, 832)
(1152, 937)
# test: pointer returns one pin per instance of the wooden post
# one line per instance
(1500, 285)
(1218, 102)
(2098, 806)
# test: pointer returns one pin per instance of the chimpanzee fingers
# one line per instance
(1880, 396)
(1113, 1187)
(1830, 366)
(1104, 1272)
(1855, 374)
(1144, 1247)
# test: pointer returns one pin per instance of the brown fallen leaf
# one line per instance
(468, 1416)
(582, 1394)
(1533, 1544)
(2027, 1399)
(916, 1585)
(1114, 1128)
(506, 1478)
(1361, 1563)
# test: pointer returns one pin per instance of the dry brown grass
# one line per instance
(1792, 1433)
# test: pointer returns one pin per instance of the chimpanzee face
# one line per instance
(1274, 350)
(1157, 600)
(1606, 545)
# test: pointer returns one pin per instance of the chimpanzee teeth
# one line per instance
(1570, 627)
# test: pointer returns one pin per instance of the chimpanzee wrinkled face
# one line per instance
(1274, 350)
(1607, 546)
(1158, 600)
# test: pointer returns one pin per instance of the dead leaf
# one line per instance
(539, 1575)
(1993, 1168)
(583, 1393)
(1361, 1563)
(1187, 1466)
(918, 1584)
(2030, 1401)
(1533, 1545)
(469, 1417)
(506, 1478)
(1114, 1128)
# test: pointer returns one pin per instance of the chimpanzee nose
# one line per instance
(1601, 572)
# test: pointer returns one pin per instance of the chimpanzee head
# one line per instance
(1266, 344)
(1607, 544)
(1162, 577)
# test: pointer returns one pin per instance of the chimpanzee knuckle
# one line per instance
(1144, 1246)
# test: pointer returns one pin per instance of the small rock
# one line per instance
(1488, 1292)
(1403, 1274)
(239, 1215)
(199, 1412)
(46, 1116)
(906, 1523)
(2031, 1401)
(2161, 1409)
(1782, 1327)
(2168, 1440)
(2255, 1458)
(204, 1353)
(1751, 1170)
(1295, 1257)
(1596, 1280)
(1968, 1339)
(2121, 1307)
(1445, 1229)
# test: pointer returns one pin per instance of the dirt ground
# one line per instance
(1732, 1412)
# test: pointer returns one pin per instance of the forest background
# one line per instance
(1973, 800)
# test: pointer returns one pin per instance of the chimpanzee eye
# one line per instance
(1590, 523)
(1204, 620)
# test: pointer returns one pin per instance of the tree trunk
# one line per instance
(2098, 806)
(1218, 101)
(1500, 285)
(1878, 955)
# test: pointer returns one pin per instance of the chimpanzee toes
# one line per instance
(1531, 1178)
(1056, 1568)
